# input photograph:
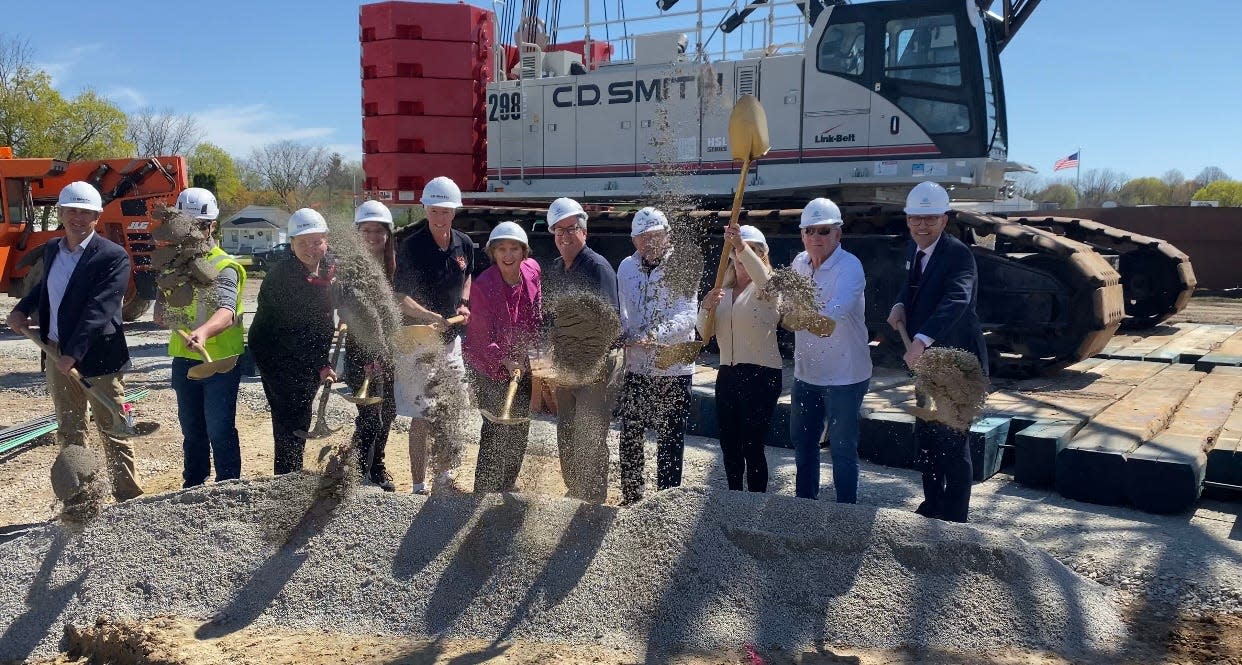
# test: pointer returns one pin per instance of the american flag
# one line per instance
(1070, 162)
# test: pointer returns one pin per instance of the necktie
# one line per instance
(916, 269)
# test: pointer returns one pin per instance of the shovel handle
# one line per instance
(905, 337)
(513, 386)
(202, 350)
(454, 320)
(709, 326)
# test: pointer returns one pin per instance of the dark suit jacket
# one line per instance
(89, 323)
(943, 306)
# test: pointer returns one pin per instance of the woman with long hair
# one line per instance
(373, 223)
(749, 381)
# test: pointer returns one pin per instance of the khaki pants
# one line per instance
(70, 399)
(583, 414)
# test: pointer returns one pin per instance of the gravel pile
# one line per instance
(686, 569)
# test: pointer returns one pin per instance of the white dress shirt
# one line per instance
(649, 310)
(842, 358)
(63, 264)
(927, 341)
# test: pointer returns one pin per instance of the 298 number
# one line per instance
(504, 106)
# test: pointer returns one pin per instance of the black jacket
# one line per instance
(89, 319)
(293, 324)
(943, 305)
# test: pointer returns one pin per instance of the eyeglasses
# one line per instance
(559, 231)
(818, 230)
(924, 220)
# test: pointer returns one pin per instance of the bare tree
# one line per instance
(1210, 174)
(1099, 185)
(162, 132)
(290, 169)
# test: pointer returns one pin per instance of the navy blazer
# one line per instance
(943, 305)
(89, 323)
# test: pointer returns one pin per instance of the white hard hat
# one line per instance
(562, 208)
(508, 231)
(442, 192)
(306, 220)
(648, 219)
(373, 211)
(927, 198)
(198, 203)
(820, 211)
(749, 233)
(80, 195)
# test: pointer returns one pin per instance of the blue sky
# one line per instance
(1141, 86)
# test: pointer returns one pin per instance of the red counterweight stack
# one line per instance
(425, 69)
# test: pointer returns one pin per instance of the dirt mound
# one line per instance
(687, 570)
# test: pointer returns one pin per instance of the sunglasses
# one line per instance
(818, 230)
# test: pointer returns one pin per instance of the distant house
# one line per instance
(253, 229)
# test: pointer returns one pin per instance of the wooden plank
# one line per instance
(1193, 345)
(1092, 467)
(1117, 343)
(985, 439)
(1229, 354)
(1165, 474)
(1036, 448)
(1150, 341)
(1224, 460)
(887, 438)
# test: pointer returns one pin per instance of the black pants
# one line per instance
(660, 403)
(944, 459)
(290, 394)
(501, 447)
(374, 422)
(745, 400)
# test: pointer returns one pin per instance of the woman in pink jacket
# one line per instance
(505, 303)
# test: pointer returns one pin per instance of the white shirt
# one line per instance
(63, 265)
(927, 341)
(842, 358)
(650, 311)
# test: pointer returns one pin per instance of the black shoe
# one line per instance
(383, 481)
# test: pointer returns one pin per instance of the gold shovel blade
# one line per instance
(678, 354)
(204, 370)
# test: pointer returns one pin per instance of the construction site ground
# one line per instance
(1177, 580)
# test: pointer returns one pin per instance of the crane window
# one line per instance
(841, 49)
(923, 49)
(937, 117)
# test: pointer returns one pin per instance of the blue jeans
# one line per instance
(840, 407)
(207, 411)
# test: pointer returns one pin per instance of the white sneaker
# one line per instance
(421, 488)
(445, 482)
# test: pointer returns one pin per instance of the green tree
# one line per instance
(1228, 192)
(1059, 193)
(1143, 191)
(91, 127)
(208, 159)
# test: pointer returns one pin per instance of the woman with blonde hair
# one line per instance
(506, 301)
(749, 381)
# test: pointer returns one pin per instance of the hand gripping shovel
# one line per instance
(208, 367)
(322, 429)
(748, 140)
(504, 418)
(123, 425)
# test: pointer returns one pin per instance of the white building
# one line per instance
(253, 229)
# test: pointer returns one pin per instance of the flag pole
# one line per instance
(1078, 172)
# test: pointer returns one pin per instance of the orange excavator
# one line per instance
(130, 187)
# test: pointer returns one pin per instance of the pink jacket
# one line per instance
(504, 320)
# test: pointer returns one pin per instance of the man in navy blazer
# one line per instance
(77, 306)
(937, 306)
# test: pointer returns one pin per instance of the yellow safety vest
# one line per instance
(232, 340)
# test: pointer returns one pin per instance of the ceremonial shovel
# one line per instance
(412, 337)
(361, 398)
(504, 418)
(123, 425)
(208, 367)
(322, 429)
(748, 140)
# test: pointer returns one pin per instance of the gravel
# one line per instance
(687, 569)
